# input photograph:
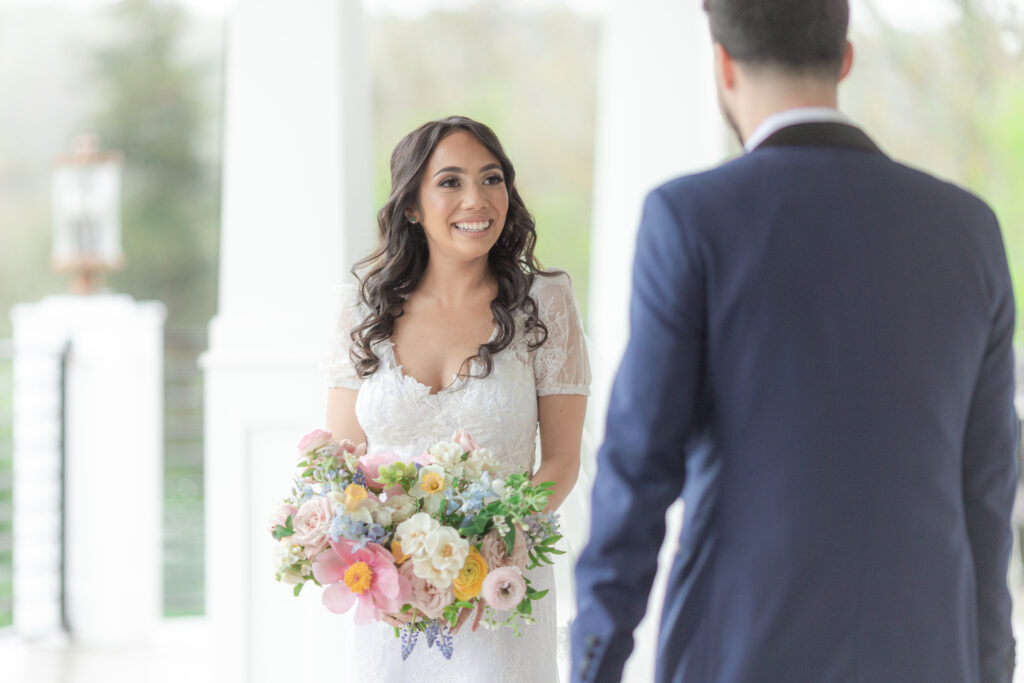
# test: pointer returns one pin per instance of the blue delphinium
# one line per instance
(343, 526)
(375, 534)
(307, 493)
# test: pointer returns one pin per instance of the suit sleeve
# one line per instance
(640, 466)
(989, 483)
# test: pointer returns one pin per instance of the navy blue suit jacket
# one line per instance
(820, 364)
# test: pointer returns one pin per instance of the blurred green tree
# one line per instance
(952, 101)
(152, 108)
(530, 74)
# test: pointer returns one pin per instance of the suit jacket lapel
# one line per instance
(822, 134)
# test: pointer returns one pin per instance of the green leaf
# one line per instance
(510, 537)
(307, 472)
(297, 589)
(525, 607)
(282, 532)
(536, 595)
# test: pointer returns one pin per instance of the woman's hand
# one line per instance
(399, 619)
(464, 615)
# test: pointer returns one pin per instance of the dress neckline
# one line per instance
(456, 381)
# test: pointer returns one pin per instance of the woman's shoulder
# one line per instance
(551, 285)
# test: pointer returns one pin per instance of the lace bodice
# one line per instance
(398, 413)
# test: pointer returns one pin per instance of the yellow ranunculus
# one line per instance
(396, 552)
(354, 495)
(468, 583)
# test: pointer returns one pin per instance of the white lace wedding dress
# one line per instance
(400, 414)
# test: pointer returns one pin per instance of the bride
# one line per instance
(455, 326)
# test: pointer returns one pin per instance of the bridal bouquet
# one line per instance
(418, 540)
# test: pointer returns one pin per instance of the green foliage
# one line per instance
(397, 474)
(284, 531)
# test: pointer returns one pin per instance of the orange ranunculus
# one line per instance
(468, 583)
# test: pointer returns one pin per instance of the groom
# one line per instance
(820, 364)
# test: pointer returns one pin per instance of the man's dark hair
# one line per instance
(796, 35)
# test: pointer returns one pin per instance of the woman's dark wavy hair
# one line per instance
(394, 270)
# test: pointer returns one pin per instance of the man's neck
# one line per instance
(768, 95)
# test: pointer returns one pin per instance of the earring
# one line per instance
(411, 219)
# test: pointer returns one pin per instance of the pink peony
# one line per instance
(314, 440)
(311, 524)
(280, 516)
(495, 554)
(504, 588)
(464, 440)
(365, 577)
(424, 595)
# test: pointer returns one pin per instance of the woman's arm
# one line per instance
(561, 433)
(341, 415)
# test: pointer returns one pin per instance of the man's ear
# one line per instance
(725, 66)
(847, 61)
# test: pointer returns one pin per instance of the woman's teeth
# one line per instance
(473, 226)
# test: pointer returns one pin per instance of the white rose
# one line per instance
(499, 488)
(448, 455)
(401, 506)
(442, 556)
(412, 532)
(481, 460)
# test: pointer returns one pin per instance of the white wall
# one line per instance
(296, 215)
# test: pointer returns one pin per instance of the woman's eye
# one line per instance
(495, 179)
(449, 182)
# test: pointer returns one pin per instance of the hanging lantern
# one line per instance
(87, 214)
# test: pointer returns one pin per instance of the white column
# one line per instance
(113, 468)
(297, 214)
(657, 118)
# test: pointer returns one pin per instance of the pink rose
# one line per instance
(464, 440)
(495, 554)
(504, 588)
(347, 446)
(316, 439)
(311, 524)
(425, 596)
(279, 517)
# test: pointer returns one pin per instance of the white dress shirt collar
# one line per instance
(789, 117)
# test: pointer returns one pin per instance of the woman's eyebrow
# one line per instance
(457, 169)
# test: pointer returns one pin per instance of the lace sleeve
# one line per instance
(561, 365)
(337, 367)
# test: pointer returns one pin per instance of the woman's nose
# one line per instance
(473, 196)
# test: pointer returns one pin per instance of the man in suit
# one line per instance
(820, 364)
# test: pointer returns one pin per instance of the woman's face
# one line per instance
(463, 199)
